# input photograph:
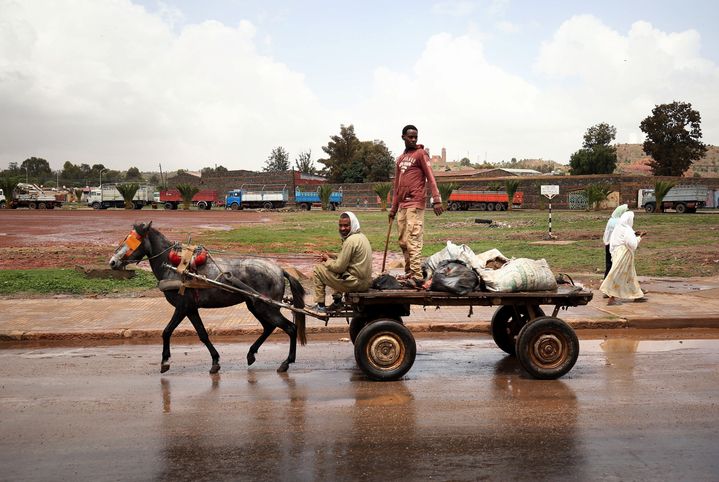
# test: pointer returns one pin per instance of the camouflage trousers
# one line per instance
(410, 222)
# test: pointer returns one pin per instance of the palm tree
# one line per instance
(661, 188)
(595, 194)
(445, 190)
(511, 186)
(382, 190)
(325, 191)
(8, 184)
(128, 192)
(187, 192)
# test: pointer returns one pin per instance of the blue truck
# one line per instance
(306, 199)
(265, 199)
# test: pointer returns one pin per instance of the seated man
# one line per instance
(350, 271)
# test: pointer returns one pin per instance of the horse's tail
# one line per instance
(298, 301)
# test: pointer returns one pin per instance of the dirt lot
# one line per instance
(63, 239)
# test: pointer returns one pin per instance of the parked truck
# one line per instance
(34, 197)
(483, 200)
(307, 199)
(107, 196)
(683, 199)
(267, 199)
(204, 199)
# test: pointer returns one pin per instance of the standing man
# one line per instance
(411, 175)
(348, 272)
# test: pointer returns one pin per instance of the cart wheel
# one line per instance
(385, 350)
(547, 348)
(506, 325)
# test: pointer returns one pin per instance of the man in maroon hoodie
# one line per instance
(411, 175)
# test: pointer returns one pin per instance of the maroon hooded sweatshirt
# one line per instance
(411, 174)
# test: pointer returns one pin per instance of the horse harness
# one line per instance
(185, 258)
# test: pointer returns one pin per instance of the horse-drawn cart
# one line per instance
(385, 349)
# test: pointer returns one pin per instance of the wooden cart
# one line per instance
(385, 349)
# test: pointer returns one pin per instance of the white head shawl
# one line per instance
(623, 234)
(354, 223)
(613, 220)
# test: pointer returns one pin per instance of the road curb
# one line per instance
(458, 327)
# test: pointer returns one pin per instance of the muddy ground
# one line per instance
(84, 237)
(63, 239)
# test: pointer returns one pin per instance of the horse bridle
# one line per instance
(130, 244)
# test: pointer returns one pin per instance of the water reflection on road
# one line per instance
(465, 411)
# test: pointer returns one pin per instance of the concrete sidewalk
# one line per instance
(673, 303)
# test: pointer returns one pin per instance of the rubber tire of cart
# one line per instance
(547, 348)
(358, 322)
(505, 329)
(680, 208)
(385, 350)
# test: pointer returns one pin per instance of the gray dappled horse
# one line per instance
(264, 276)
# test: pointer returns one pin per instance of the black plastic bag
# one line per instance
(387, 282)
(454, 276)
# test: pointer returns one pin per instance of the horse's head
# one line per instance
(133, 248)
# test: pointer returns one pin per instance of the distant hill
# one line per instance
(631, 159)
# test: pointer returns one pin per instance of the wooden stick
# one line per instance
(386, 244)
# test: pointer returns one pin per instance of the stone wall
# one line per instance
(362, 195)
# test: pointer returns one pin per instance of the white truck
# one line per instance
(34, 197)
(107, 196)
(683, 199)
(2, 199)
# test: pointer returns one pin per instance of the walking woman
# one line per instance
(611, 224)
(621, 281)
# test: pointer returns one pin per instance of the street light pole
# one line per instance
(27, 175)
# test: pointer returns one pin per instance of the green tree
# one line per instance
(341, 150)
(304, 162)
(8, 184)
(128, 192)
(187, 192)
(325, 191)
(133, 174)
(213, 170)
(673, 138)
(382, 189)
(599, 135)
(661, 188)
(278, 160)
(595, 194)
(465, 161)
(511, 186)
(597, 155)
(36, 169)
(377, 159)
(352, 160)
(445, 190)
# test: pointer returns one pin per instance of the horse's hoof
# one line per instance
(215, 368)
(250, 358)
(164, 368)
(283, 368)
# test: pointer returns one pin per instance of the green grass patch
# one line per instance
(677, 244)
(68, 281)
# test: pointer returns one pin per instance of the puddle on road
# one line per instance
(634, 345)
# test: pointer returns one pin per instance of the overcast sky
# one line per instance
(192, 84)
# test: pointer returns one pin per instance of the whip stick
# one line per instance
(386, 244)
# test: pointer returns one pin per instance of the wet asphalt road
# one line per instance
(630, 409)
